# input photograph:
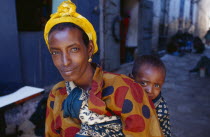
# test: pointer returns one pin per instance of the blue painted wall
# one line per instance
(37, 66)
(10, 70)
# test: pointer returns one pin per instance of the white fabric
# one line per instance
(132, 35)
(90, 118)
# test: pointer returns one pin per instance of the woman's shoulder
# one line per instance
(60, 84)
(58, 87)
(119, 79)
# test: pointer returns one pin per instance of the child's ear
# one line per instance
(130, 75)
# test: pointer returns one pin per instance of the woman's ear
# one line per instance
(90, 48)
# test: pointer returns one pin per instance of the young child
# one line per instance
(150, 72)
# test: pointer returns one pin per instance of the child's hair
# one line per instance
(151, 60)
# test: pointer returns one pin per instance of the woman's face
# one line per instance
(69, 53)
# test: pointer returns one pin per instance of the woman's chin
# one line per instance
(67, 78)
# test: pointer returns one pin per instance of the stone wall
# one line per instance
(111, 47)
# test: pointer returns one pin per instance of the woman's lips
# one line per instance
(67, 72)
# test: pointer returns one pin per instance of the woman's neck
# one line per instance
(86, 79)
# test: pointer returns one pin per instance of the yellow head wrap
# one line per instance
(66, 12)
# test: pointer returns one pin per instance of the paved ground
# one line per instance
(188, 97)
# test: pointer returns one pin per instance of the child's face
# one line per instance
(151, 79)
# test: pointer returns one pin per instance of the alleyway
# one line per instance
(187, 95)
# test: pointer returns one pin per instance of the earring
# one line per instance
(90, 59)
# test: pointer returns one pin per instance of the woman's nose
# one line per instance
(66, 59)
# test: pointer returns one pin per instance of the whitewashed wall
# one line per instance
(174, 16)
(203, 18)
(156, 20)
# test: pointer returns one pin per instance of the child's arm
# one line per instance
(163, 116)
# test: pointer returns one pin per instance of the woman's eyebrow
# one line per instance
(54, 48)
(71, 45)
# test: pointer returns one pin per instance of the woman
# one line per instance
(91, 102)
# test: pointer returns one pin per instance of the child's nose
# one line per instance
(148, 89)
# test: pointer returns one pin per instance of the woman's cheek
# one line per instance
(56, 61)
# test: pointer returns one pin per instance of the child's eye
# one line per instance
(54, 52)
(143, 83)
(157, 85)
(74, 49)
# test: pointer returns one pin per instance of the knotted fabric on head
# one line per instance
(66, 12)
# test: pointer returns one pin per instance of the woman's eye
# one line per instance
(157, 85)
(143, 83)
(74, 49)
(54, 52)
